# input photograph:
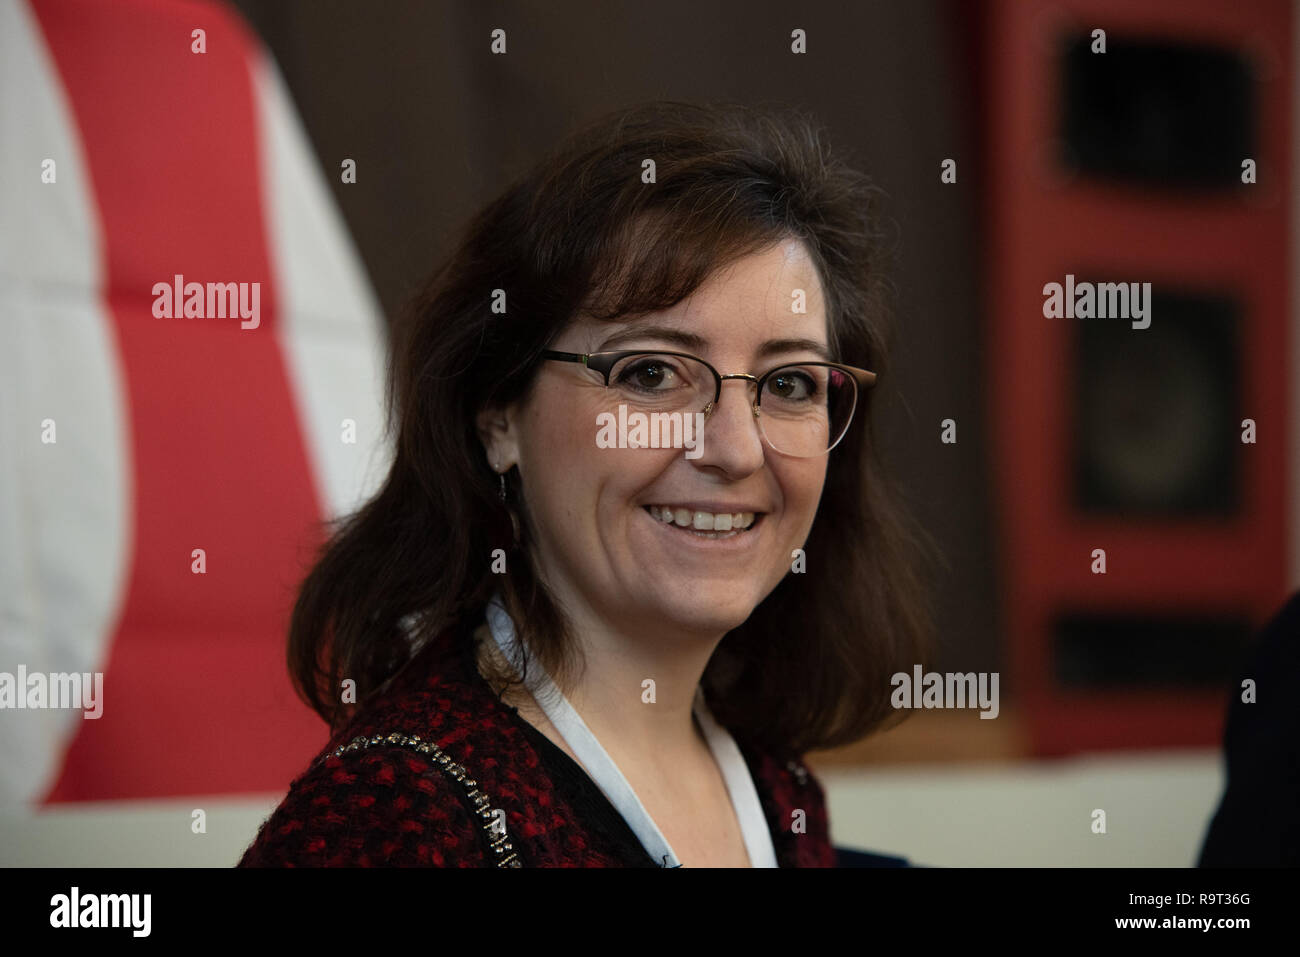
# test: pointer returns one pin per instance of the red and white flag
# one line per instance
(163, 481)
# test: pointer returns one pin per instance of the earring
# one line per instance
(514, 519)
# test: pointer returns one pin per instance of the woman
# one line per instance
(559, 636)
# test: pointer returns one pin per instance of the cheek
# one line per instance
(561, 460)
(802, 488)
(555, 427)
(562, 424)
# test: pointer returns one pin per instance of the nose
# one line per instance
(732, 440)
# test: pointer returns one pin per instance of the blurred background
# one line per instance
(330, 149)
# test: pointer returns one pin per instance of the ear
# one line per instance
(498, 430)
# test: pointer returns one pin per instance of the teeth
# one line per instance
(702, 521)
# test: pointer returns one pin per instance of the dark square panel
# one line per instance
(1156, 112)
(1156, 428)
(1154, 652)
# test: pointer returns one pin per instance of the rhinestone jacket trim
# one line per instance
(500, 847)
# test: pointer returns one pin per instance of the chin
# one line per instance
(717, 609)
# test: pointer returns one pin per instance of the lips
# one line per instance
(705, 521)
(726, 525)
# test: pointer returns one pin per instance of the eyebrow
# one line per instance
(696, 343)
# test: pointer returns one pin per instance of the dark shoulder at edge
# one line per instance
(341, 796)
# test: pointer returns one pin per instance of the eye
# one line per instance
(794, 385)
(650, 374)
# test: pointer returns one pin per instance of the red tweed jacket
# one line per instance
(436, 771)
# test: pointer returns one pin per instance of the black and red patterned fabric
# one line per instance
(390, 804)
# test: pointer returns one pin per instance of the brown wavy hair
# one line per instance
(581, 233)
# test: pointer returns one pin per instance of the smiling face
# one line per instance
(601, 542)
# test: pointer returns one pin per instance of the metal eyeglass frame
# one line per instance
(604, 362)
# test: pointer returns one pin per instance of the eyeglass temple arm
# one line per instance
(566, 356)
(597, 362)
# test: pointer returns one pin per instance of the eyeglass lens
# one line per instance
(804, 410)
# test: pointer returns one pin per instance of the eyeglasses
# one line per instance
(803, 409)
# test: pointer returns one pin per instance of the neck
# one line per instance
(639, 690)
(636, 691)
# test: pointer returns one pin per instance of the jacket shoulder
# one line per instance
(384, 792)
(379, 806)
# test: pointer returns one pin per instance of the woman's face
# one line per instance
(597, 542)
